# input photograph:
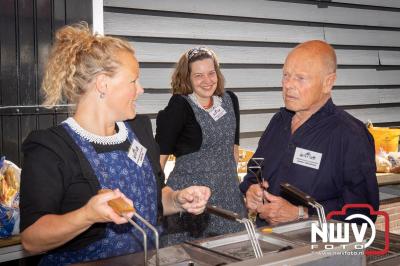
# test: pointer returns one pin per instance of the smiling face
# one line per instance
(124, 88)
(306, 81)
(204, 79)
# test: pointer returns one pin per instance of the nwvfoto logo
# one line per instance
(340, 232)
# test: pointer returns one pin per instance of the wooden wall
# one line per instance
(27, 28)
(252, 39)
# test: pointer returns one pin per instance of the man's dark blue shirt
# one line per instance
(346, 172)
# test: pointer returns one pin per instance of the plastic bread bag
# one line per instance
(9, 198)
(394, 158)
(383, 165)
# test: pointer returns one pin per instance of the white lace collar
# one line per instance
(217, 101)
(117, 138)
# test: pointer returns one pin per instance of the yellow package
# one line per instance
(386, 139)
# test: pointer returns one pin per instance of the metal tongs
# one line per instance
(255, 166)
(306, 199)
(247, 223)
(121, 207)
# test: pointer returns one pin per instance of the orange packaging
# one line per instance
(386, 139)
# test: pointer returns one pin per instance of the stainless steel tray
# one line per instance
(188, 255)
(189, 262)
(238, 245)
(299, 231)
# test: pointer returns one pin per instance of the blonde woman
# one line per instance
(65, 166)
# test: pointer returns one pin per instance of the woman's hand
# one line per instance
(97, 209)
(51, 230)
(192, 199)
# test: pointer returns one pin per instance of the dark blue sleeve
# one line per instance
(359, 176)
(249, 178)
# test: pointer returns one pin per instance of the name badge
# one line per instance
(137, 152)
(307, 158)
(217, 113)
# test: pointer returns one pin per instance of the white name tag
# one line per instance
(307, 158)
(137, 152)
(217, 113)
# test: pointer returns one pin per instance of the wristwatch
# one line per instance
(301, 213)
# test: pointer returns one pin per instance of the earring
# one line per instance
(102, 94)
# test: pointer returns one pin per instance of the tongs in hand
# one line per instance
(306, 200)
(121, 207)
(247, 223)
(255, 166)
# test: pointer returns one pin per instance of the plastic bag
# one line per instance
(383, 165)
(385, 138)
(394, 158)
(9, 198)
(387, 162)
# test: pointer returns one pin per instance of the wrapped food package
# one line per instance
(244, 157)
(9, 184)
(9, 198)
(394, 158)
(388, 162)
(383, 165)
(395, 170)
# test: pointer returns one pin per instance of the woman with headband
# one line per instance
(200, 127)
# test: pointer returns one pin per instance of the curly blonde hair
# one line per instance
(180, 82)
(76, 57)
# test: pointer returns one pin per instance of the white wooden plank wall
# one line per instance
(252, 39)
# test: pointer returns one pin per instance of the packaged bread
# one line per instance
(244, 157)
(9, 183)
(383, 165)
(394, 159)
(395, 169)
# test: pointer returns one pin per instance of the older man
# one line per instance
(340, 165)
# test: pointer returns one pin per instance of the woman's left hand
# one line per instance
(193, 199)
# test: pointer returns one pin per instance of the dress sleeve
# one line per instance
(42, 183)
(236, 108)
(170, 123)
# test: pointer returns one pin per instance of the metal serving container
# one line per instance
(238, 245)
(287, 244)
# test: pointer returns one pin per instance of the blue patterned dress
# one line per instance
(115, 170)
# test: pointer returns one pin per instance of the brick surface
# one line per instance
(393, 210)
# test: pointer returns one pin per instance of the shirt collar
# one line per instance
(327, 109)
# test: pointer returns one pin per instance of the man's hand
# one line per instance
(277, 210)
(254, 196)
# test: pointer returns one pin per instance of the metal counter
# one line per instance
(287, 244)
